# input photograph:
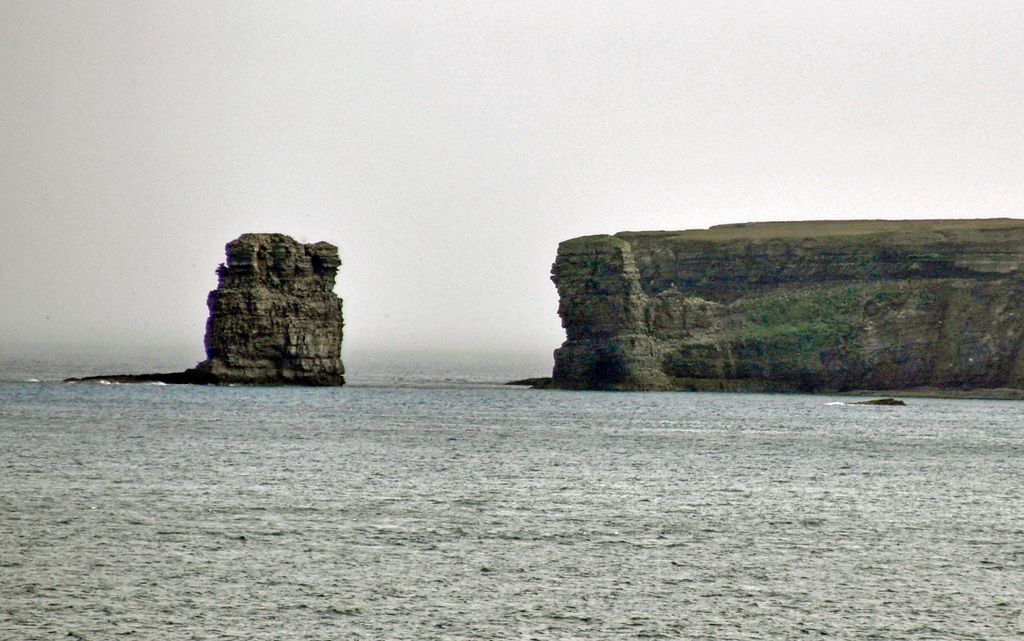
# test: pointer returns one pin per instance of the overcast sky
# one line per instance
(447, 147)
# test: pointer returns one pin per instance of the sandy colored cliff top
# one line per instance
(823, 228)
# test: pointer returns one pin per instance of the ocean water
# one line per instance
(408, 507)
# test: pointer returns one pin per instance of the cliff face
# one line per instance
(802, 306)
(274, 318)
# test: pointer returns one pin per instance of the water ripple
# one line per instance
(145, 512)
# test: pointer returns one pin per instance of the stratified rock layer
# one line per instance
(274, 318)
(808, 306)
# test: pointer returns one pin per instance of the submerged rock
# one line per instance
(880, 401)
(803, 306)
(274, 318)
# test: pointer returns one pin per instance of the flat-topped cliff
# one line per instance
(802, 306)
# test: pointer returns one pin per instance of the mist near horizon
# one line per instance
(448, 148)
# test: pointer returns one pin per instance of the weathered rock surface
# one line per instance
(274, 318)
(806, 306)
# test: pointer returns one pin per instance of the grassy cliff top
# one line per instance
(831, 228)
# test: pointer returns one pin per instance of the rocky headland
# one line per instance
(274, 318)
(804, 306)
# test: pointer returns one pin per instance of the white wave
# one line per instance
(32, 380)
(835, 403)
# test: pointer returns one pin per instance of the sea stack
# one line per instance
(802, 306)
(274, 318)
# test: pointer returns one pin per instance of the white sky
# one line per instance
(447, 147)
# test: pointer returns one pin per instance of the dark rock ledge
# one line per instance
(541, 382)
(881, 401)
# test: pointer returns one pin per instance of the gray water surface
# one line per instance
(481, 512)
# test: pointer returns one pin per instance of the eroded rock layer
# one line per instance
(805, 306)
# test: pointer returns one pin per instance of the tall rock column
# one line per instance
(274, 318)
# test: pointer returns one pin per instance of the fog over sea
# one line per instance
(435, 503)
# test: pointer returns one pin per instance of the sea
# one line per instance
(441, 504)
